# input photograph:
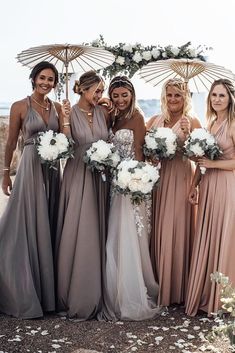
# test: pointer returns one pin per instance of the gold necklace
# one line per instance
(47, 107)
(88, 112)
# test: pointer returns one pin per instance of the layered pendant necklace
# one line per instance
(47, 107)
(89, 115)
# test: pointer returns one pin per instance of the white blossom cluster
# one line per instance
(52, 146)
(201, 143)
(100, 155)
(227, 298)
(160, 143)
(129, 58)
(136, 179)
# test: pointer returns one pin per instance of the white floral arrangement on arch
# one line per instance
(129, 58)
(52, 146)
(136, 179)
(160, 143)
(101, 155)
(201, 143)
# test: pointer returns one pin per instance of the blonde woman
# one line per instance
(82, 209)
(215, 231)
(173, 216)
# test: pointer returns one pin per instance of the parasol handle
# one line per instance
(66, 74)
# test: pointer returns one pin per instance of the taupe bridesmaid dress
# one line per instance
(26, 261)
(82, 224)
(173, 225)
(215, 232)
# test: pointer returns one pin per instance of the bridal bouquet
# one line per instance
(136, 179)
(52, 146)
(201, 143)
(101, 155)
(160, 143)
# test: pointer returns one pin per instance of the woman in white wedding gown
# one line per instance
(130, 288)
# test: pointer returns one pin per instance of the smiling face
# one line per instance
(121, 98)
(174, 100)
(93, 94)
(219, 98)
(44, 81)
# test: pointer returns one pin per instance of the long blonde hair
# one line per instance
(181, 88)
(228, 85)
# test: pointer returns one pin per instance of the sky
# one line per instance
(29, 23)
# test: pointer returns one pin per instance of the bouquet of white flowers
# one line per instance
(101, 155)
(136, 179)
(160, 143)
(52, 146)
(201, 143)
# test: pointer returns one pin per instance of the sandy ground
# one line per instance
(170, 332)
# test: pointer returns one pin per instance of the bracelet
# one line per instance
(66, 124)
(6, 169)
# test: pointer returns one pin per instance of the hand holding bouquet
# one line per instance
(101, 155)
(136, 179)
(201, 143)
(52, 146)
(160, 143)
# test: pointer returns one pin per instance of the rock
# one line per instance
(3, 139)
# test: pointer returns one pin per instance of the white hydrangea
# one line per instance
(135, 177)
(100, 155)
(197, 150)
(128, 47)
(160, 143)
(52, 146)
(175, 51)
(147, 55)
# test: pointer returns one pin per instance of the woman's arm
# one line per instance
(63, 112)
(18, 109)
(193, 193)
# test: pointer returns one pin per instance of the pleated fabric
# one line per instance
(27, 229)
(82, 224)
(215, 232)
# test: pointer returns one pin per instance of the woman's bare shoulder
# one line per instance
(19, 106)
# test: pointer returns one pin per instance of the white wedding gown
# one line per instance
(131, 291)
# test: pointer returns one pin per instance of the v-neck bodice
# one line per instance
(34, 123)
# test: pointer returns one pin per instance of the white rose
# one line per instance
(155, 53)
(120, 60)
(137, 57)
(197, 150)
